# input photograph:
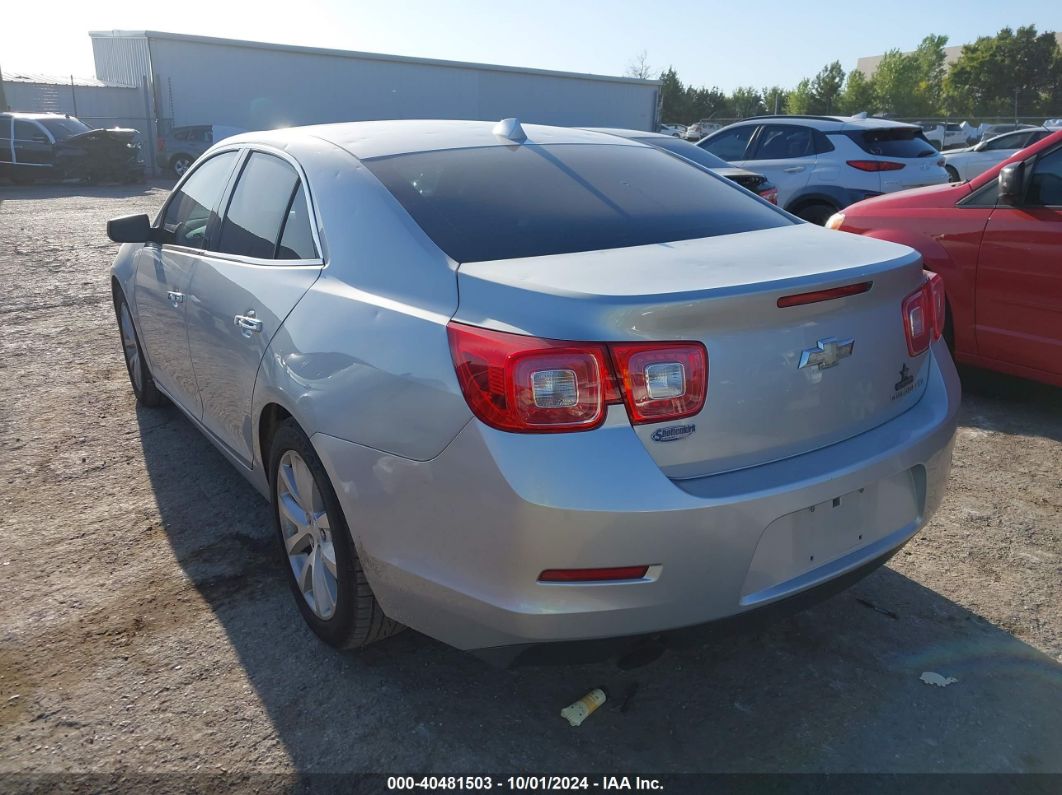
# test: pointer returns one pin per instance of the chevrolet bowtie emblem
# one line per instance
(826, 353)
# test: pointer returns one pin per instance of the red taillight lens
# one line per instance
(771, 195)
(923, 314)
(660, 382)
(529, 385)
(875, 165)
(593, 575)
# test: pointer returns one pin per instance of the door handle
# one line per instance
(176, 299)
(794, 169)
(248, 324)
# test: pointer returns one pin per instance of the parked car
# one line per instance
(951, 135)
(677, 130)
(989, 131)
(698, 130)
(549, 458)
(821, 164)
(962, 164)
(997, 243)
(179, 148)
(750, 180)
(50, 146)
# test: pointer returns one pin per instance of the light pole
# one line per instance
(1016, 92)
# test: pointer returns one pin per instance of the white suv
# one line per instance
(821, 164)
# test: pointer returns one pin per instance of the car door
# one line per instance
(163, 272)
(1019, 274)
(263, 259)
(7, 151)
(786, 155)
(33, 146)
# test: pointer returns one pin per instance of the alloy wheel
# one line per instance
(307, 534)
(131, 348)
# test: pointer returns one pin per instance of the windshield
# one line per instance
(64, 128)
(503, 202)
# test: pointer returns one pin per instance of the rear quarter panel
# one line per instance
(364, 356)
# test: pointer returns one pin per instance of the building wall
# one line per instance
(253, 86)
(97, 106)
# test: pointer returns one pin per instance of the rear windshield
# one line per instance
(893, 142)
(61, 129)
(687, 150)
(503, 202)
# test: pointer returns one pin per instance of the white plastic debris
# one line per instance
(933, 678)
(582, 709)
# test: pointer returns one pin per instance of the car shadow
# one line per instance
(835, 688)
(1008, 404)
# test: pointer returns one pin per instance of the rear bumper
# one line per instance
(453, 547)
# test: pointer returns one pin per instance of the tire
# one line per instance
(143, 383)
(179, 164)
(345, 614)
(818, 213)
(953, 175)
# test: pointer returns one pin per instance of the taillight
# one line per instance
(529, 385)
(771, 195)
(875, 165)
(923, 314)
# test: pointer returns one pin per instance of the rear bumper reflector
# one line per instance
(593, 575)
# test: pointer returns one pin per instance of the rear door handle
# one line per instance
(248, 324)
(794, 169)
(176, 299)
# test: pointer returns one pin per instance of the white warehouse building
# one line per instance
(252, 85)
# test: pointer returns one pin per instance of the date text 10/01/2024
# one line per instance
(524, 783)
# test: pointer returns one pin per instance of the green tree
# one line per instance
(801, 100)
(826, 88)
(746, 101)
(858, 95)
(930, 65)
(896, 83)
(672, 98)
(774, 99)
(1012, 72)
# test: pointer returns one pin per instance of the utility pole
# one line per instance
(1016, 92)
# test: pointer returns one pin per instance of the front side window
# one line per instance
(504, 202)
(1045, 187)
(259, 207)
(188, 213)
(729, 144)
(1011, 141)
(28, 131)
(784, 142)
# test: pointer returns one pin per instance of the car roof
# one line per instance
(629, 134)
(829, 123)
(369, 139)
(36, 115)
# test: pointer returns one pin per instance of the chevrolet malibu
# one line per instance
(514, 385)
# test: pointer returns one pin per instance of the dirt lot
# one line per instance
(144, 623)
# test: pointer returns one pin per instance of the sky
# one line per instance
(727, 44)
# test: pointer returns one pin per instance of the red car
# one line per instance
(997, 242)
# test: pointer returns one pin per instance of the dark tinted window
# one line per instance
(729, 144)
(687, 150)
(188, 213)
(784, 141)
(181, 135)
(1017, 140)
(893, 142)
(502, 202)
(61, 129)
(5, 139)
(296, 241)
(1045, 188)
(28, 131)
(258, 207)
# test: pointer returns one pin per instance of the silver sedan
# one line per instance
(510, 385)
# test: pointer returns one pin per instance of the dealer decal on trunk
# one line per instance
(906, 384)
(673, 433)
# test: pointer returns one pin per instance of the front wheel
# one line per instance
(325, 573)
(953, 175)
(816, 213)
(180, 164)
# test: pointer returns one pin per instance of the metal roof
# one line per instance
(374, 56)
(51, 80)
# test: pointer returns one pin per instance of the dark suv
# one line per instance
(36, 146)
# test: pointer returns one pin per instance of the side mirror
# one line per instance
(130, 229)
(1011, 183)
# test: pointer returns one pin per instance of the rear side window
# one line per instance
(258, 208)
(502, 202)
(188, 213)
(893, 142)
(296, 241)
(729, 144)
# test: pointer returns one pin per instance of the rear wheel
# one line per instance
(818, 213)
(324, 570)
(139, 373)
(180, 164)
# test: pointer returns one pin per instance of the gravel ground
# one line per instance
(145, 625)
